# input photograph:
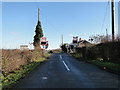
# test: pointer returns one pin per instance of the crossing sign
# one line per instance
(43, 41)
(75, 39)
(43, 46)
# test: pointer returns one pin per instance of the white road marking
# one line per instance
(60, 57)
(66, 66)
(44, 78)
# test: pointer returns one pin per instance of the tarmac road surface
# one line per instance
(63, 71)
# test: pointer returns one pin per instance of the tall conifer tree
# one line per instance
(38, 33)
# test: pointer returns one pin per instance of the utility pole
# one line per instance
(113, 20)
(38, 14)
(119, 21)
(106, 34)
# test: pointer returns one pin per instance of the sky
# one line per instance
(81, 19)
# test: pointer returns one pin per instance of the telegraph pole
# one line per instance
(113, 20)
(106, 34)
(38, 14)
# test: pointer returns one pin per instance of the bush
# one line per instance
(109, 51)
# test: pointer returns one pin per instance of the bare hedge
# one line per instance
(12, 59)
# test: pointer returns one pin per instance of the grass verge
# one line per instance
(14, 76)
(108, 66)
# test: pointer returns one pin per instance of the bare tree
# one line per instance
(99, 38)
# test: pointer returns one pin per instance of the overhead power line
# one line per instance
(105, 15)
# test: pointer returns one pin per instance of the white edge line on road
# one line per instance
(66, 66)
(60, 57)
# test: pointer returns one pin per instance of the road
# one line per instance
(63, 71)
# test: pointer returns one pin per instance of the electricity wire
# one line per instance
(105, 15)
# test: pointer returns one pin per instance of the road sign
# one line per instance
(43, 41)
(75, 39)
(43, 46)
(75, 45)
(46, 46)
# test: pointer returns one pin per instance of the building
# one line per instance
(24, 47)
(84, 43)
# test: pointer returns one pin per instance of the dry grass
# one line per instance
(57, 51)
(12, 59)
